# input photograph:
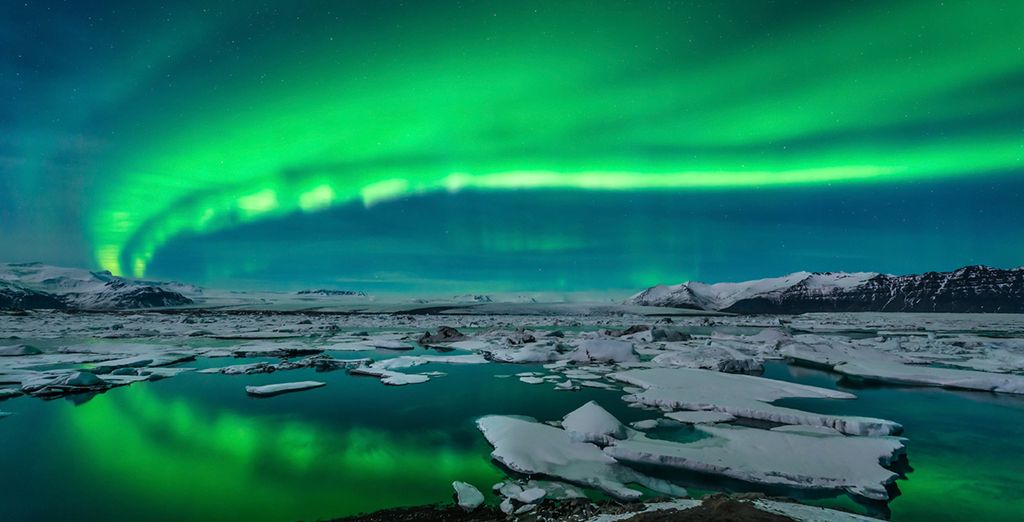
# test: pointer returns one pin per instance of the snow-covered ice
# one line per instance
(530, 447)
(797, 460)
(604, 350)
(592, 423)
(742, 396)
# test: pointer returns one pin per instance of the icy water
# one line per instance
(196, 447)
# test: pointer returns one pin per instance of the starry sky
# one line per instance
(450, 146)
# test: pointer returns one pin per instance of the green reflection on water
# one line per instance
(195, 447)
(261, 468)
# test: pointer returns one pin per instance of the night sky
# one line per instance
(510, 146)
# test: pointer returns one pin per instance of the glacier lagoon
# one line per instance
(196, 446)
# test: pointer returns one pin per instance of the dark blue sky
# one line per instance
(510, 146)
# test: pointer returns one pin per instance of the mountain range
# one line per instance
(26, 286)
(970, 289)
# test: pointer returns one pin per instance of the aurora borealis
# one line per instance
(511, 146)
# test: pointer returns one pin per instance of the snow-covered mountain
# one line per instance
(35, 285)
(968, 289)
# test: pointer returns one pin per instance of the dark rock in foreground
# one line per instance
(972, 289)
(715, 508)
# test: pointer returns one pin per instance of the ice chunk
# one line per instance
(468, 497)
(795, 460)
(389, 377)
(604, 350)
(531, 496)
(527, 446)
(592, 423)
(270, 390)
(742, 396)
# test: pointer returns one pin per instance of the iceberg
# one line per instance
(592, 423)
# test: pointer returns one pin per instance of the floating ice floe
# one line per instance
(897, 373)
(389, 377)
(797, 460)
(878, 362)
(409, 361)
(529, 379)
(66, 383)
(742, 396)
(467, 496)
(530, 447)
(270, 390)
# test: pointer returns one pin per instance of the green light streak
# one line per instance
(537, 97)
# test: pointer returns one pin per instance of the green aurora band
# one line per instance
(660, 96)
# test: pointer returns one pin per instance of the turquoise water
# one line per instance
(966, 448)
(197, 447)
